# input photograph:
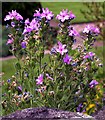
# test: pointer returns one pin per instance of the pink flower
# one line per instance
(13, 15)
(61, 48)
(23, 44)
(93, 83)
(27, 22)
(73, 32)
(30, 26)
(37, 13)
(67, 59)
(47, 14)
(87, 29)
(86, 56)
(71, 15)
(34, 24)
(96, 30)
(20, 88)
(91, 29)
(65, 15)
(40, 79)
(27, 29)
(49, 77)
(10, 41)
(89, 55)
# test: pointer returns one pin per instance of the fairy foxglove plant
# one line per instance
(63, 79)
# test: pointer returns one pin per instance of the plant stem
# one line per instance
(40, 62)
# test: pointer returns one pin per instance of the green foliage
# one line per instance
(95, 12)
(65, 80)
(4, 48)
(8, 65)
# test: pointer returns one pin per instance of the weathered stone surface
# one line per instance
(100, 115)
(45, 114)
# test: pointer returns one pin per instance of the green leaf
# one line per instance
(17, 66)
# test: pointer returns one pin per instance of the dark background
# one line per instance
(26, 9)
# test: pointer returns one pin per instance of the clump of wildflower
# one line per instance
(91, 29)
(46, 13)
(32, 26)
(13, 15)
(40, 79)
(65, 15)
(67, 59)
(37, 13)
(93, 83)
(61, 48)
(61, 73)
